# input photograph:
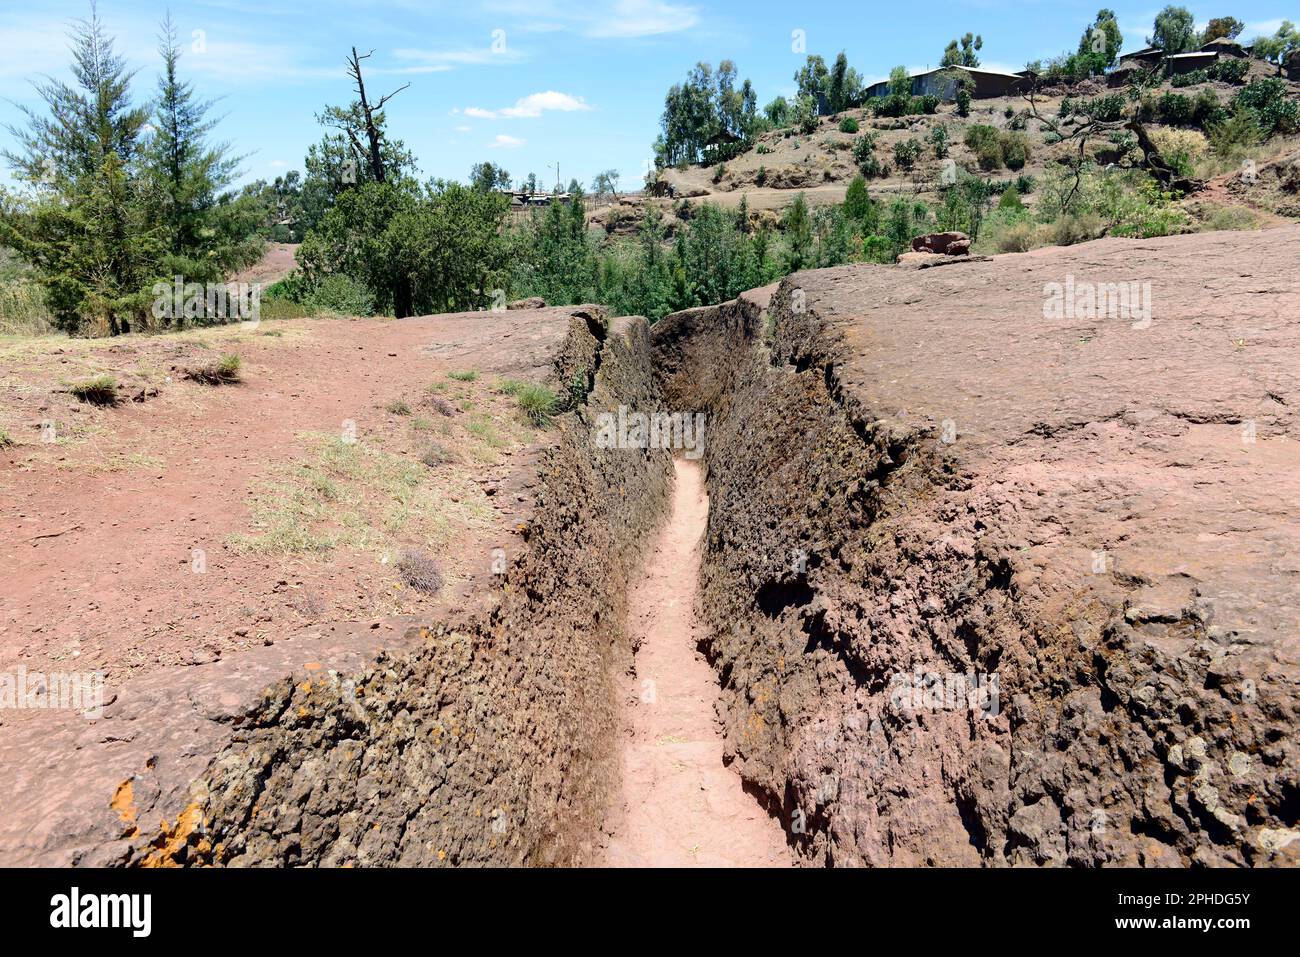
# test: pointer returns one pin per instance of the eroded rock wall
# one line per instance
(490, 743)
(917, 478)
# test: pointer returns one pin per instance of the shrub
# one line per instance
(864, 154)
(1267, 99)
(5, 439)
(468, 376)
(906, 152)
(340, 293)
(939, 140)
(1075, 228)
(985, 142)
(878, 249)
(848, 125)
(1016, 150)
(399, 407)
(420, 571)
(1018, 236)
(101, 390)
(927, 104)
(1189, 79)
(1230, 70)
(896, 104)
(1181, 149)
(1236, 134)
(1010, 199)
(1174, 109)
(761, 176)
(963, 102)
(1206, 110)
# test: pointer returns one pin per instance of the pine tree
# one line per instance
(208, 231)
(83, 226)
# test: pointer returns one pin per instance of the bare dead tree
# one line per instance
(1090, 121)
(367, 116)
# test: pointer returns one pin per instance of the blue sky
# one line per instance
(528, 84)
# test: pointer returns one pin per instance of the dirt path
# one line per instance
(681, 807)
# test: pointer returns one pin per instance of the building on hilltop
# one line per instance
(942, 82)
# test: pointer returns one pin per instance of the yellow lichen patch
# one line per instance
(172, 839)
(123, 803)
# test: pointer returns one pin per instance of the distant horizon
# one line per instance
(530, 86)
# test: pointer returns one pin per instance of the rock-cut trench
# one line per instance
(679, 804)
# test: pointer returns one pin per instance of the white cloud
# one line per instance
(506, 142)
(532, 106)
(440, 61)
(619, 19)
(462, 129)
(535, 104)
(642, 18)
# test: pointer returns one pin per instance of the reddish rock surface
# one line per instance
(924, 477)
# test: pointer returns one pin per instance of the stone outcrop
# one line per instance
(482, 738)
(997, 578)
(942, 244)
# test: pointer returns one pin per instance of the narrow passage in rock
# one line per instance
(680, 806)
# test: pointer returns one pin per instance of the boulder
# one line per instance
(532, 302)
(944, 244)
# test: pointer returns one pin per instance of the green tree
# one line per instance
(844, 86)
(85, 226)
(860, 208)
(209, 230)
(487, 176)
(1279, 47)
(963, 53)
(1174, 30)
(797, 226)
(1101, 42)
(778, 111)
(1225, 28)
(812, 77)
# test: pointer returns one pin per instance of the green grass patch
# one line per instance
(482, 427)
(510, 386)
(468, 376)
(538, 403)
